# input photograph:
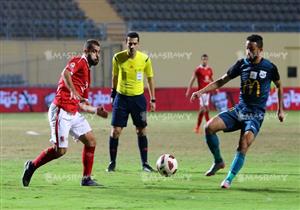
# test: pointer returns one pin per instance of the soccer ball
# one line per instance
(166, 165)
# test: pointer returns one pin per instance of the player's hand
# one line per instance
(101, 112)
(152, 106)
(75, 95)
(113, 95)
(280, 115)
(195, 95)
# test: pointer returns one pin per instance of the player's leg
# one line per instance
(206, 106)
(138, 112)
(143, 147)
(88, 151)
(82, 131)
(211, 128)
(59, 137)
(118, 122)
(113, 147)
(245, 141)
(247, 137)
(200, 115)
(226, 121)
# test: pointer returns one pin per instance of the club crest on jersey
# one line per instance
(72, 65)
(262, 74)
(253, 75)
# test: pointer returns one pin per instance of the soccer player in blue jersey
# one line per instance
(256, 74)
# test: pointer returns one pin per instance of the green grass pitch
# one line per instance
(270, 178)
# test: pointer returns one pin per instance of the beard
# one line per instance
(91, 61)
(252, 58)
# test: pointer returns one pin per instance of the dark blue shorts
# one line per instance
(134, 105)
(234, 120)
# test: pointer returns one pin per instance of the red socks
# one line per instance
(87, 160)
(200, 116)
(45, 157)
(50, 154)
(206, 116)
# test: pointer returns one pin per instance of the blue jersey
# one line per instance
(255, 83)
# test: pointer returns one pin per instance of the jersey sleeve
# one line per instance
(235, 70)
(115, 66)
(73, 66)
(275, 74)
(148, 68)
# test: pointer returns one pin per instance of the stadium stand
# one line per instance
(46, 19)
(210, 16)
(78, 19)
(11, 80)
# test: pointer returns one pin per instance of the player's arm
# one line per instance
(212, 86)
(151, 88)
(115, 72)
(192, 80)
(150, 81)
(280, 112)
(67, 77)
(100, 111)
(276, 79)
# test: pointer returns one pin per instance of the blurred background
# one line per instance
(38, 37)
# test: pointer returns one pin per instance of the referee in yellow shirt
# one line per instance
(129, 69)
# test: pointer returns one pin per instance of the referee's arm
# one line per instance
(151, 93)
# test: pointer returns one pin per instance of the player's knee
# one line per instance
(115, 133)
(91, 142)
(141, 132)
(208, 129)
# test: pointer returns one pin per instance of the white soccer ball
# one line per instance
(166, 165)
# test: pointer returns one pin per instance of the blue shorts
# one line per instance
(234, 120)
(134, 105)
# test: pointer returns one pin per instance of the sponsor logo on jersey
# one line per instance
(262, 74)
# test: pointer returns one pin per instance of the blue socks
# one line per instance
(213, 144)
(236, 166)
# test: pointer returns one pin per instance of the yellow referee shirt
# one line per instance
(131, 71)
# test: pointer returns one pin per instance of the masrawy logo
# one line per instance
(268, 55)
(52, 55)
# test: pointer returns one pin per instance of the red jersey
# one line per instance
(80, 71)
(203, 75)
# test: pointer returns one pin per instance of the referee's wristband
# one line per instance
(153, 101)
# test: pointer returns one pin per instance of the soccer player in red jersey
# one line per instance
(64, 118)
(203, 73)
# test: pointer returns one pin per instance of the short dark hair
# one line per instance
(204, 56)
(133, 34)
(256, 38)
(89, 44)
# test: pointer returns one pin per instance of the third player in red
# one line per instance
(204, 75)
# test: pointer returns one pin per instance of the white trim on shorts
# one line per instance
(204, 99)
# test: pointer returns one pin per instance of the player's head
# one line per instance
(254, 46)
(132, 42)
(204, 60)
(92, 51)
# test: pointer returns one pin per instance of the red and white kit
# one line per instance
(204, 77)
(63, 114)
